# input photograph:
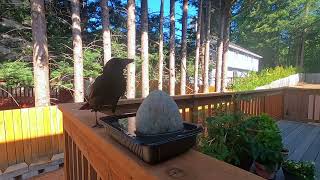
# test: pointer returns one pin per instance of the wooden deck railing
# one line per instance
(91, 154)
(29, 135)
(195, 108)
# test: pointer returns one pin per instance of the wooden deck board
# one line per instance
(313, 150)
(303, 142)
(296, 142)
(288, 127)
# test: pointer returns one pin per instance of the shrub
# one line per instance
(236, 139)
(264, 140)
(224, 139)
(16, 73)
(266, 76)
(303, 170)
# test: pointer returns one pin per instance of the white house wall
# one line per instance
(241, 61)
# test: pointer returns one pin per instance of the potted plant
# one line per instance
(225, 140)
(265, 144)
(298, 170)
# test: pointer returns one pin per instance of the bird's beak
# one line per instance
(127, 61)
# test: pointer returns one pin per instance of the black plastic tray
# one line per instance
(153, 148)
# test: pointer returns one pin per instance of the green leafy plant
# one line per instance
(266, 76)
(264, 140)
(16, 73)
(302, 170)
(224, 140)
(62, 71)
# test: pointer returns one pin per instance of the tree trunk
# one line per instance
(160, 47)
(106, 34)
(220, 51)
(77, 52)
(226, 37)
(297, 48)
(198, 44)
(302, 49)
(202, 40)
(40, 54)
(144, 48)
(184, 48)
(207, 50)
(172, 49)
(131, 44)
(303, 36)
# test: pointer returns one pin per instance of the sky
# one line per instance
(154, 7)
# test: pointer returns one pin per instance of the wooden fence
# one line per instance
(23, 97)
(30, 135)
(302, 104)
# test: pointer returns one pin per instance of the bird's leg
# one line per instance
(98, 125)
(114, 106)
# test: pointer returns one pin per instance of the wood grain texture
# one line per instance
(27, 135)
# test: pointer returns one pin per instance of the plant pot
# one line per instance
(285, 153)
(246, 163)
(264, 172)
(290, 176)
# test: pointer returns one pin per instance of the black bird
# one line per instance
(108, 87)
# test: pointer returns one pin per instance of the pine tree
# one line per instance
(106, 34)
(184, 48)
(40, 54)
(77, 52)
(131, 44)
(226, 29)
(160, 47)
(144, 48)
(172, 49)
(207, 49)
(198, 44)
(220, 48)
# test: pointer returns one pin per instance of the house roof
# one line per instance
(239, 48)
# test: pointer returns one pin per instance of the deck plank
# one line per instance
(287, 139)
(298, 152)
(300, 137)
(313, 150)
(288, 128)
(303, 142)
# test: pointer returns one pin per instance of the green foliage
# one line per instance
(264, 140)
(225, 138)
(274, 29)
(234, 138)
(92, 62)
(303, 170)
(16, 73)
(266, 76)
(62, 73)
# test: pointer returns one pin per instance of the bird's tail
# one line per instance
(85, 106)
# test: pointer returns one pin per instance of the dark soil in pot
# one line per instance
(246, 163)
